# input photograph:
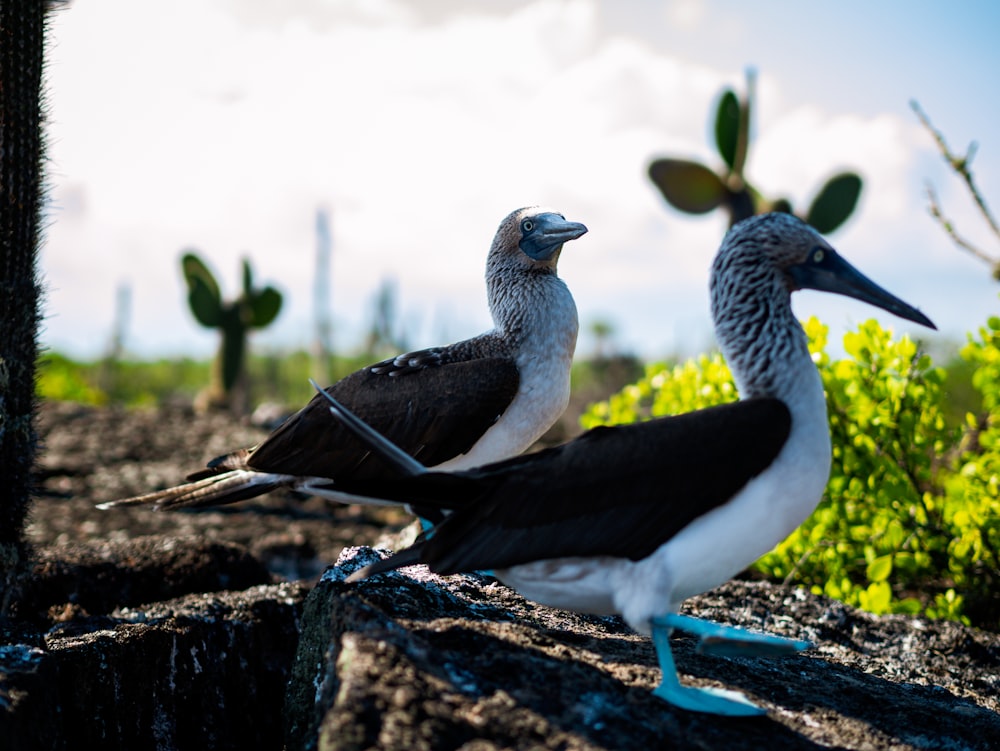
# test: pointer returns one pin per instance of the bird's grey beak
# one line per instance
(825, 270)
(548, 234)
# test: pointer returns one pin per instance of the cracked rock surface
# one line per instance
(411, 660)
(218, 629)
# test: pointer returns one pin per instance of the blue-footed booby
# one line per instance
(635, 519)
(469, 403)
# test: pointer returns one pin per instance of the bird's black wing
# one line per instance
(429, 404)
(620, 491)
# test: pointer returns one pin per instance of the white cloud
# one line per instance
(223, 125)
(806, 146)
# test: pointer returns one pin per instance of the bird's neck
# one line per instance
(766, 349)
(532, 306)
(769, 356)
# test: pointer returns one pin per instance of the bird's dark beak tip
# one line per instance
(923, 320)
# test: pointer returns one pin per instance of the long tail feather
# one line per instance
(227, 487)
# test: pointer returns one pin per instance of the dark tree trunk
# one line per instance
(22, 30)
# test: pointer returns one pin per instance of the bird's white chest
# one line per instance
(720, 544)
(541, 398)
(707, 552)
(543, 360)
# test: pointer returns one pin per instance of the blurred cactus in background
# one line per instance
(254, 308)
(693, 188)
(385, 336)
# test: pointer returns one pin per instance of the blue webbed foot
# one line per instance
(713, 639)
(717, 701)
(728, 641)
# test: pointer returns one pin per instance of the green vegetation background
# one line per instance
(910, 522)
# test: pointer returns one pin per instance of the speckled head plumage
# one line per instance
(782, 251)
(523, 289)
(763, 260)
(761, 251)
(532, 237)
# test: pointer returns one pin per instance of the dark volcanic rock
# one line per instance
(93, 455)
(190, 673)
(413, 661)
(167, 631)
(158, 630)
(92, 578)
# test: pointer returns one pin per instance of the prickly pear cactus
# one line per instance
(695, 189)
(252, 309)
(22, 32)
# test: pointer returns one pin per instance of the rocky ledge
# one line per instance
(215, 630)
(409, 660)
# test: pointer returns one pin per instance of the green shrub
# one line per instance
(972, 503)
(910, 521)
(126, 382)
(279, 377)
(61, 379)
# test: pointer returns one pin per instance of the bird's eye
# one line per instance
(527, 225)
(818, 255)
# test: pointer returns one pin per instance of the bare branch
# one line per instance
(935, 210)
(961, 166)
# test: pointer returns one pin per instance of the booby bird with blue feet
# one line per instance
(469, 403)
(635, 519)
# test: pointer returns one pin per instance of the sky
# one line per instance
(225, 125)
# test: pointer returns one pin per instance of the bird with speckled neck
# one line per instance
(469, 403)
(635, 519)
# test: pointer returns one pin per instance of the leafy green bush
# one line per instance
(131, 383)
(62, 379)
(910, 521)
(282, 378)
(973, 490)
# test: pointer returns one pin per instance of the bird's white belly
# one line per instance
(539, 402)
(706, 553)
(723, 542)
(584, 585)
(599, 586)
